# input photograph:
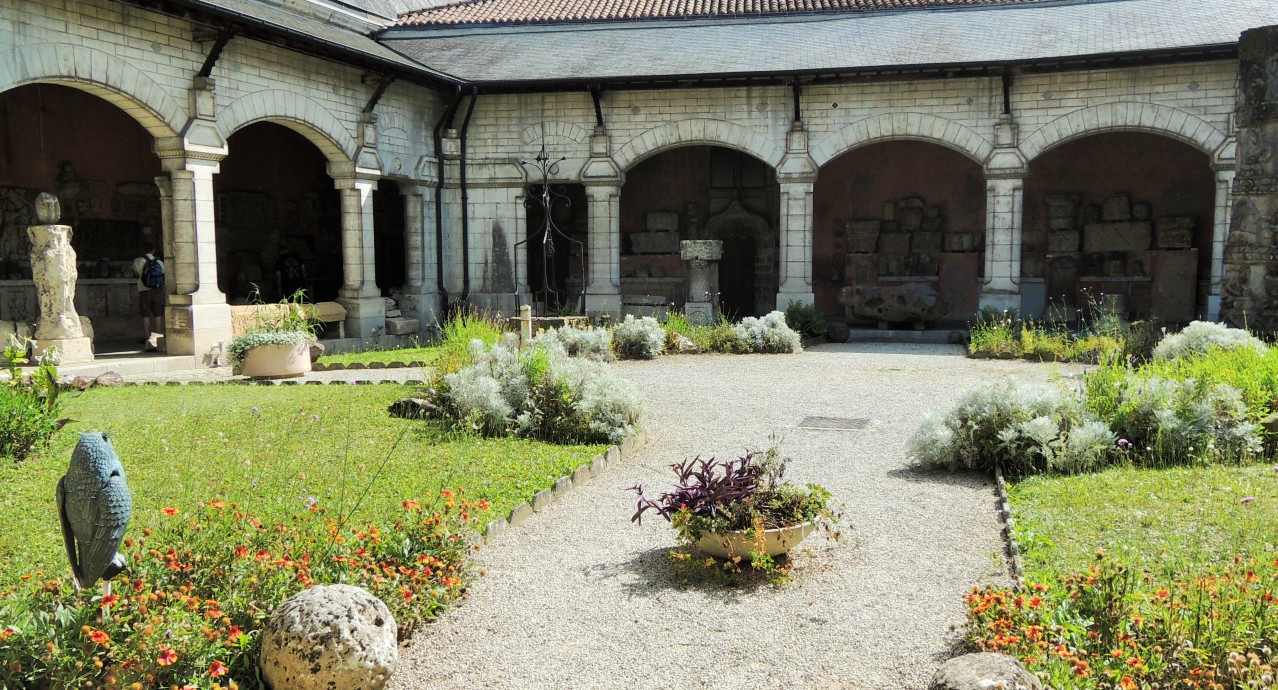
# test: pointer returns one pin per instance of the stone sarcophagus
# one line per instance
(914, 303)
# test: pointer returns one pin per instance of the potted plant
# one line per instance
(278, 343)
(739, 509)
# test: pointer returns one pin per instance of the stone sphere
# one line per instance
(983, 671)
(330, 636)
(838, 332)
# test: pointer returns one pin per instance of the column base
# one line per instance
(1000, 300)
(201, 330)
(423, 306)
(70, 350)
(785, 298)
(499, 302)
(365, 316)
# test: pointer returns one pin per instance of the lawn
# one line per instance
(271, 449)
(1167, 522)
(406, 355)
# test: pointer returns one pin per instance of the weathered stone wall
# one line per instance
(1251, 257)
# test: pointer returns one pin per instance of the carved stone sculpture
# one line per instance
(916, 303)
(703, 278)
(54, 273)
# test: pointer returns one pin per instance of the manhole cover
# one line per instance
(835, 423)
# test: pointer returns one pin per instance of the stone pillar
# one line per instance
(365, 309)
(796, 173)
(420, 295)
(54, 273)
(1220, 232)
(197, 319)
(1249, 293)
(603, 291)
(703, 258)
(1003, 217)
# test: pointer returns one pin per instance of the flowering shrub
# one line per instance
(1109, 628)
(1200, 336)
(1024, 428)
(188, 610)
(768, 334)
(590, 343)
(539, 393)
(641, 338)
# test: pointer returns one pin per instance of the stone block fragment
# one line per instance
(1063, 241)
(924, 241)
(1174, 233)
(402, 326)
(863, 236)
(1117, 208)
(1129, 236)
(663, 220)
(963, 241)
(894, 243)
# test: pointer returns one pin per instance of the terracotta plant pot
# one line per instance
(776, 541)
(277, 361)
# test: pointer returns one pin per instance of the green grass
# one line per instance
(184, 445)
(406, 355)
(1170, 522)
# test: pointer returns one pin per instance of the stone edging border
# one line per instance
(1015, 565)
(274, 382)
(360, 366)
(564, 485)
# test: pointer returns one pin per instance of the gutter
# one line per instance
(445, 119)
(465, 197)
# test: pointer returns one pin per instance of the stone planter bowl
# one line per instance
(776, 541)
(277, 361)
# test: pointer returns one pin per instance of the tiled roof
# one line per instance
(538, 55)
(470, 12)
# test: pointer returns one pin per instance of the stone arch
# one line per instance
(894, 126)
(100, 74)
(695, 132)
(554, 128)
(298, 113)
(1125, 117)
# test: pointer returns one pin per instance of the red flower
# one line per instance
(411, 505)
(170, 510)
(109, 600)
(241, 551)
(234, 633)
(167, 657)
(218, 669)
(99, 637)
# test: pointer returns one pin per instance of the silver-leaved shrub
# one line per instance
(641, 338)
(769, 334)
(1200, 336)
(538, 392)
(590, 343)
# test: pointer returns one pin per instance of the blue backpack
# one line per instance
(153, 273)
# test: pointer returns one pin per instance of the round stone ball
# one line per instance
(330, 636)
(983, 671)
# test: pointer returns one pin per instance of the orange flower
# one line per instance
(167, 657)
(217, 505)
(170, 510)
(1127, 683)
(1035, 602)
(411, 505)
(7, 633)
(109, 600)
(241, 551)
(234, 633)
(99, 637)
(218, 669)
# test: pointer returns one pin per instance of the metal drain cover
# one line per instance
(834, 423)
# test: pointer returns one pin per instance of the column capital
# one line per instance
(1006, 164)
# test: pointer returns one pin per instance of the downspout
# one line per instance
(444, 119)
(465, 197)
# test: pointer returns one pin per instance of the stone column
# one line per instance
(54, 273)
(420, 295)
(197, 319)
(365, 310)
(603, 235)
(1249, 292)
(1220, 233)
(796, 173)
(702, 256)
(1004, 197)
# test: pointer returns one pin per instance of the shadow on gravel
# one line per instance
(882, 348)
(927, 475)
(655, 571)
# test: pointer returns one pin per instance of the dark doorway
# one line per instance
(388, 236)
(556, 270)
(736, 278)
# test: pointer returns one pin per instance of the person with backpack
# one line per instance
(290, 274)
(150, 272)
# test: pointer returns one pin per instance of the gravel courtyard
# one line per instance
(579, 597)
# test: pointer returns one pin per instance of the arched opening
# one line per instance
(98, 160)
(899, 213)
(1127, 215)
(700, 192)
(274, 194)
(556, 268)
(388, 237)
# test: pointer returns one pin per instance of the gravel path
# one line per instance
(578, 597)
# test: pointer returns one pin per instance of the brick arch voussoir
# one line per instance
(703, 132)
(299, 113)
(902, 126)
(1150, 118)
(98, 73)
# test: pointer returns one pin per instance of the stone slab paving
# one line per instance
(579, 597)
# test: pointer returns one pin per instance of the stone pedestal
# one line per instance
(703, 279)
(1249, 295)
(54, 272)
